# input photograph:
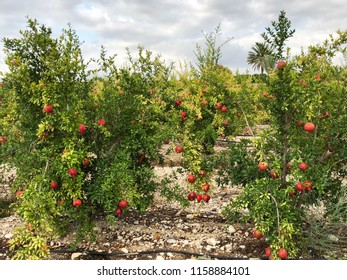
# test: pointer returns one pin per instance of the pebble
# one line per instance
(96, 229)
(171, 241)
(124, 250)
(333, 238)
(8, 235)
(160, 258)
(211, 241)
(76, 256)
(231, 229)
(242, 247)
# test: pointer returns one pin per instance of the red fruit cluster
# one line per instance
(262, 166)
(192, 196)
(86, 162)
(274, 174)
(299, 187)
(101, 122)
(53, 185)
(306, 186)
(178, 102)
(203, 172)
(302, 166)
(191, 178)
(48, 109)
(122, 204)
(258, 234)
(72, 172)
(219, 106)
(281, 65)
(19, 193)
(184, 116)
(3, 140)
(179, 149)
(77, 203)
(205, 187)
(82, 128)
(268, 252)
(224, 109)
(283, 254)
(309, 127)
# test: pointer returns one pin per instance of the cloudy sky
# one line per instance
(174, 27)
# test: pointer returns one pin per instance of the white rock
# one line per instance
(211, 241)
(124, 250)
(8, 235)
(96, 229)
(208, 248)
(75, 256)
(171, 241)
(160, 258)
(231, 229)
(333, 238)
(228, 247)
(242, 247)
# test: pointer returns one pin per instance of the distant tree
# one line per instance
(261, 57)
(208, 57)
(276, 35)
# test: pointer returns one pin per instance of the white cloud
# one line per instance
(173, 27)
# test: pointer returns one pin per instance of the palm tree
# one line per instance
(261, 57)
